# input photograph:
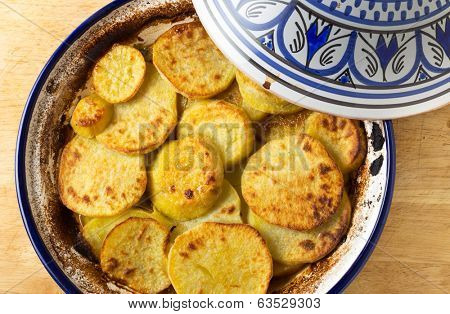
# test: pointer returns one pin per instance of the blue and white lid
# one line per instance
(364, 59)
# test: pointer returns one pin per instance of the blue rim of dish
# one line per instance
(44, 255)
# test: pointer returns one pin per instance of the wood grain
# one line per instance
(413, 254)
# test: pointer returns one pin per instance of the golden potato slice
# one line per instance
(292, 247)
(343, 138)
(260, 99)
(135, 254)
(118, 76)
(185, 179)
(187, 57)
(293, 183)
(96, 182)
(227, 209)
(220, 258)
(143, 124)
(233, 95)
(279, 126)
(91, 116)
(96, 230)
(224, 124)
(281, 270)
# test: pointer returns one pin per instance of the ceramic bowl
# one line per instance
(43, 130)
(364, 59)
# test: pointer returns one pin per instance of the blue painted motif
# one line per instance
(297, 35)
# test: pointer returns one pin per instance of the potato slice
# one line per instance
(220, 258)
(233, 95)
(135, 254)
(293, 183)
(96, 182)
(144, 123)
(260, 99)
(343, 138)
(223, 124)
(118, 76)
(96, 230)
(187, 57)
(227, 209)
(185, 179)
(91, 116)
(279, 126)
(292, 247)
(281, 270)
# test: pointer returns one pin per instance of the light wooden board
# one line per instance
(413, 255)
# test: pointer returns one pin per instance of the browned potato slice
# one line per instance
(187, 57)
(220, 258)
(118, 76)
(97, 182)
(292, 247)
(343, 138)
(135, 254)
(293, 183)
(91, 116)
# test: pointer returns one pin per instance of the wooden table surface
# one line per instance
(413, 255)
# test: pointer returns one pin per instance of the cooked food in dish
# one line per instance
(143, 123)
(135, 254)
(293, 183)
(260, 99)
(279, 126)
(292, 247)
(94, 181)
(196, 193)
(188, 58)
(118, 76)
(220, 258)
(227, 209)
(343, 138)
(185, 179)
(225, 125)
(91, 116)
